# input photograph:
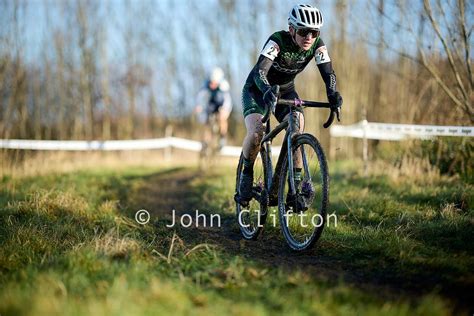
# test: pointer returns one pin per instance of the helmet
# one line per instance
(216, 75)
(305, 16)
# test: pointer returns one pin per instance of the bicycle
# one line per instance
(270, 189)
(210, 144)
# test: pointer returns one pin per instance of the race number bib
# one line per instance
(322, 55)
(270, 50)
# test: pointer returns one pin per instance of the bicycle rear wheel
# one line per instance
(208, 156)
(204, 157)
(302, 228)
(251, 218)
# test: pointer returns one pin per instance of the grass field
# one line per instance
(69, 244)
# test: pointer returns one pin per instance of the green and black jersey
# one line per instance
(280, 60)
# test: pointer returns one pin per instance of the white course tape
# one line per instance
(384, 131)
(78, 145)
(109, 145)
(362, 129)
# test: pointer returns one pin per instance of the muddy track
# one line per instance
(172, 190)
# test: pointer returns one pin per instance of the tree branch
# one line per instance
(446, 89)
(465, 40)
(435, 25)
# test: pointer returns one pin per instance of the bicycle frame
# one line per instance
(265, 145)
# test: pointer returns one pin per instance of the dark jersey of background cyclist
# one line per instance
(282, 59)
(216, 98)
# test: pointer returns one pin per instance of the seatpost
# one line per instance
(296, 122)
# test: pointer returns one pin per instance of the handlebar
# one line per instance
(335, 112)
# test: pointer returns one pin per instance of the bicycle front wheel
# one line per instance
(303, 214)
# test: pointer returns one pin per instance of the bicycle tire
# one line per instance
(322, 196)
(260, 184)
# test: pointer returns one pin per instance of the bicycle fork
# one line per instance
(293, 129)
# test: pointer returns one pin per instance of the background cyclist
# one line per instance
(214, 99)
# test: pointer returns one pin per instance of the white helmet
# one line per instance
(216, 75)
(305, 16)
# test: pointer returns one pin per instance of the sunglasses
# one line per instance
(305, 32)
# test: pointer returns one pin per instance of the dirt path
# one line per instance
(172, 190)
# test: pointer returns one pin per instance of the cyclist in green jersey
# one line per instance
(284, 55)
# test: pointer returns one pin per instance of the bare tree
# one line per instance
(62, 85)
(86, 15)
(446, 57)
(458, 55)
(106, 120)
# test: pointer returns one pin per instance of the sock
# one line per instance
(248, 167)
(297, 177)
(297, 174)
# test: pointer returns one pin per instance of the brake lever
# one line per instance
(334, 112)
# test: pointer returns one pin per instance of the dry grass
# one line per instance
(43, 163)
(416, 169)
(113, 245)
(52, 203)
